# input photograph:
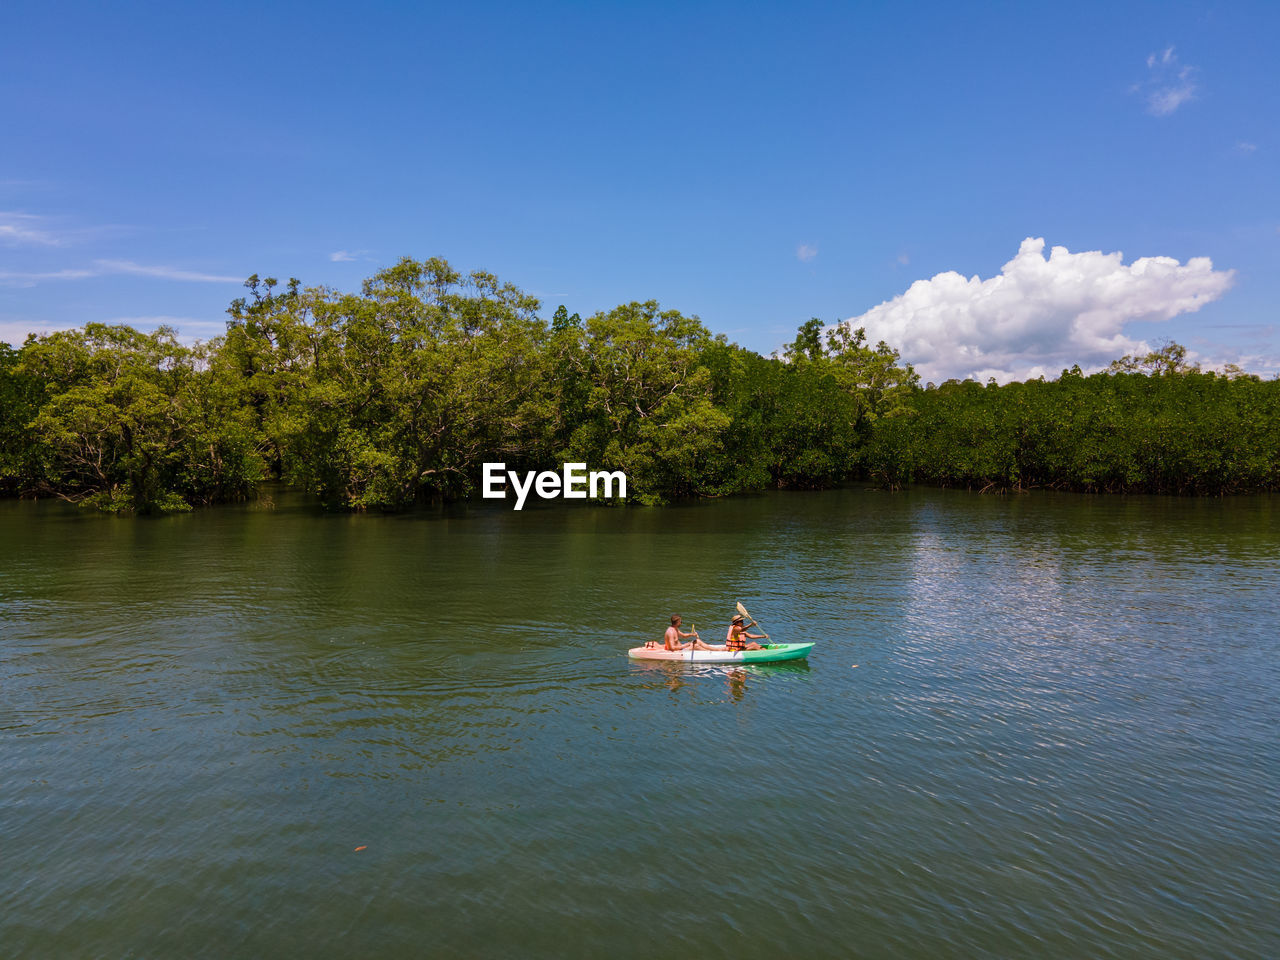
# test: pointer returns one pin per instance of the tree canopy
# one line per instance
(398, 393)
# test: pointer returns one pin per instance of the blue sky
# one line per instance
(755, 164)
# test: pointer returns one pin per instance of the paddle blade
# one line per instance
(746, 616)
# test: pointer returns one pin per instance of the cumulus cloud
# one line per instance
(805, 253)
(1169, 83)
(1039, 315)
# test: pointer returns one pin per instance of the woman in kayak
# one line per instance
(672, 638)
(738, 637)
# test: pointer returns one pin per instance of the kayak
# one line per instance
(771, 653)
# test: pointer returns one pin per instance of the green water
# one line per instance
(1042, 726)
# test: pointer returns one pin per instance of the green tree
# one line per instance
(409, 385)
(21, 395)
(648, 409)
(111, 428)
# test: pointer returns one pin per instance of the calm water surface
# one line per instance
(1042, 726)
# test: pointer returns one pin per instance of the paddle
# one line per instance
(746, 616)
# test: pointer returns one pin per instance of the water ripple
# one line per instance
(1036, 726)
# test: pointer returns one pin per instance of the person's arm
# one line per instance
(755, 636)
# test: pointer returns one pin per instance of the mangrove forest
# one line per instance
(397, 394)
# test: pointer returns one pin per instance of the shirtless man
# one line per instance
(672, 638)
(738, 637)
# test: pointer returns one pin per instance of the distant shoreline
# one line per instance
(398, 395)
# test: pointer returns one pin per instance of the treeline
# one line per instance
(1180, 432)
(398, 394)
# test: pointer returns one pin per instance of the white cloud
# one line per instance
(1244, 146)
(22, 229)
(14, 332)
(164, 273)
(33, 230)
(18, 278)
(805, 253)
(1169, 83)
(1163, 102)
(102, 268)
(348, 256)
(1038, 316)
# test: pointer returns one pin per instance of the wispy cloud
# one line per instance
(164, 273)
(347, 256)
(18, 278)
(19, 229)
(1039, 315)
(14, 332)
(26, 229)
(1245, 147)
(1169, 83)
(102, 268)
(805, 252)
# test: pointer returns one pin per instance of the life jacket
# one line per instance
(732, 642)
